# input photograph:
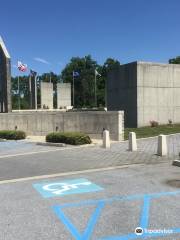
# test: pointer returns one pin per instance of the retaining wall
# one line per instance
(43, 122)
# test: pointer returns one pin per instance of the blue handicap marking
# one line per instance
(90, 226)
(54, 189)
(100, 204)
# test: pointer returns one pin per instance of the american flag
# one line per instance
(22, 67)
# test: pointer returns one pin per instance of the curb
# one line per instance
(51, 144)
(62, 144)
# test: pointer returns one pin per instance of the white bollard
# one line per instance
(106, 139)
(132, 141)
(162, 145)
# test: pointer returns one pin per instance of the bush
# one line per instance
(73, 138)
(154, 123)
(12, 135)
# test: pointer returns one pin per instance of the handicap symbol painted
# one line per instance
(99, 207)
(67, 187)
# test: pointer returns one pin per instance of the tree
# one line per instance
(108, 66)
(24, 89)
(24, 92)
(84, 83)
(175, 60)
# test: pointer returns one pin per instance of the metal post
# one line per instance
(35, 83)
(73, 90)
(50, 77)
(95, 94)
(18, 94)
(30, 92)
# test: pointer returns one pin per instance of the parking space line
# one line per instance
(15, 180)
(90, 226)
(144, 218)
(44, 151)
(145, 212)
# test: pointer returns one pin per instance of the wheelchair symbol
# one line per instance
(64, 187)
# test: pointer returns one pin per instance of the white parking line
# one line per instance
(66, 174)
(37, 152)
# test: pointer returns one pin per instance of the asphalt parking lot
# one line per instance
(106, 205)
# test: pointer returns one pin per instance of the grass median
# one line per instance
(144, 132)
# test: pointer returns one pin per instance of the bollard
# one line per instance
(106, 139)
(132, 141)
(162, 145)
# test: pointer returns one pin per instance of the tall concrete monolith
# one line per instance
(5, 79)
(63, 95)
(162, 145)
(106, 139)
(132, 141)
(46, 95)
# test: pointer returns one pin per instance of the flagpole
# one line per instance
(35, 82)
(95, 95)
(30, 92)
(73, 89)
(50, 77)
(18, 94)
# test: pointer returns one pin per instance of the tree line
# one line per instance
(84, 83)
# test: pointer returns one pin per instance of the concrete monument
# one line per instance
(63, 95)
(146, 92)
(46, 95)
(5, 79)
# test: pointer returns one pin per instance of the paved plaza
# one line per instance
(23, 159)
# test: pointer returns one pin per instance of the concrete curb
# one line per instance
(176, 163)
(3, 140)
(49, 144)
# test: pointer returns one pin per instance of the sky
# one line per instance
(46, 34)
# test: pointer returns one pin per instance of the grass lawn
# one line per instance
(152, 131)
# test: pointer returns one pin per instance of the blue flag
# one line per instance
(75, 74)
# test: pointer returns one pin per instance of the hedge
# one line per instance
(12, 135)
(73, 138)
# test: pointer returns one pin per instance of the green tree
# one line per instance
(108, 66)
(175, 60)
(84, 83)
(24, 92)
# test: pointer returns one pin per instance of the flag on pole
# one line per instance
(22, 67)
(75, 74)
(33, 73)
(96, 73)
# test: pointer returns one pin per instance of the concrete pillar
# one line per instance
(132, 141)
(5, 79)
(106, 139)
(63, 95)
(46, 95)
(162, 145)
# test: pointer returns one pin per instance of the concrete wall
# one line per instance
(122, 92)
(146, 92)
(46, 95)
(43, 122)
(158, 91)
(63, 95)
(5, 79)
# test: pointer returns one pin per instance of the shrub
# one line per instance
(12, 134)
(170, 122)
(154, 123)
(73, 138)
